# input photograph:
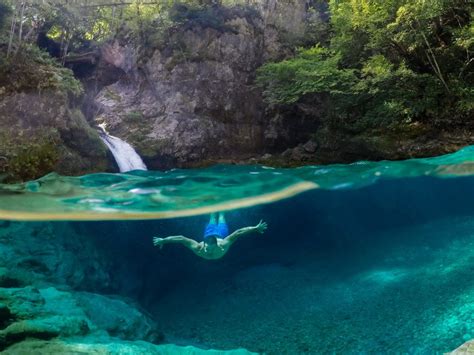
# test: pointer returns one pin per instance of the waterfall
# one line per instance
(126, 157)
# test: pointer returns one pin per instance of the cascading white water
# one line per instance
(126, 157)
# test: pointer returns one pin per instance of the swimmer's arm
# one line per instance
(179, 239)
(259, 228)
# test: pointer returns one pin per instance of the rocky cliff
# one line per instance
(42, 128)
(192, 100)
(187, 97)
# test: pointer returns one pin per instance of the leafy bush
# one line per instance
(387, 63)
(213, 17)
(26, 156)
(34, 69)
(314, 70)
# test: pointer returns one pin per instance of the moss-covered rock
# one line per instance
(48, 313)
(40, 133)
(41, 128)
(101, 345)
(32, 70)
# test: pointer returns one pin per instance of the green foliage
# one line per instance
(388, 94)
(133, 117)
(203, 16)
(26, 156)
(5, 11)
(388, 62)
(313, 70)
(33, 69)
(317, 24)
(192, 14)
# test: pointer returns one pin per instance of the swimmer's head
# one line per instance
(210, 240)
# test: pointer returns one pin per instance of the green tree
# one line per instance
(408, 60)
(5, 11)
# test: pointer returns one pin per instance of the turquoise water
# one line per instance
(178, 193)
(360, 258)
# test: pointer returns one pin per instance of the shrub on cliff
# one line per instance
(209, 16)
(31, 69)
(386, 63)
(28, 155)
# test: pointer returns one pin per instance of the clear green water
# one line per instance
(361, 258)
(177, 193)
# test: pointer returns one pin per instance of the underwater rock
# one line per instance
(47, 313)
(42, 254)
(111, 346)
(118, 318)
(466, 348)
(85, 323)
(12, 278)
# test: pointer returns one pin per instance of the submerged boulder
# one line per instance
(118, 318)
(51, 321)
(48, 313)
(110, 346)
(47, 254)
(466, 348)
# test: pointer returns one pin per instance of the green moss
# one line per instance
(196, 15)
(82, 137)
(110, 94)
(133, 117)
(82, 150)
(138, 128)
(26, 157)
(180, 55)
(72, 148)
(34, 70)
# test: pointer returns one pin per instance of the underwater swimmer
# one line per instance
(216, 239)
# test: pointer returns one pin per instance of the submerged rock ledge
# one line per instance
(110, 346)
(50, 321)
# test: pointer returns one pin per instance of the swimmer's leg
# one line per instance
(212, 218)
(222, 228)
(221, 218)
(211, 227)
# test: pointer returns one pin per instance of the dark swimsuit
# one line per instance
(218, 230)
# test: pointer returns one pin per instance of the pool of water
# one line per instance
(370, 257)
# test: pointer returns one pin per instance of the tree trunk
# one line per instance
(434, 62)
(12, 32)
(20, 31)
(66, 48)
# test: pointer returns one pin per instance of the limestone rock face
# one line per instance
(193, 100)
(40, 133)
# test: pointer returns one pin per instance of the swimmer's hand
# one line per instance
(261, 226)
(158, 242)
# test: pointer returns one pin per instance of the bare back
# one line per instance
(211, 252)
